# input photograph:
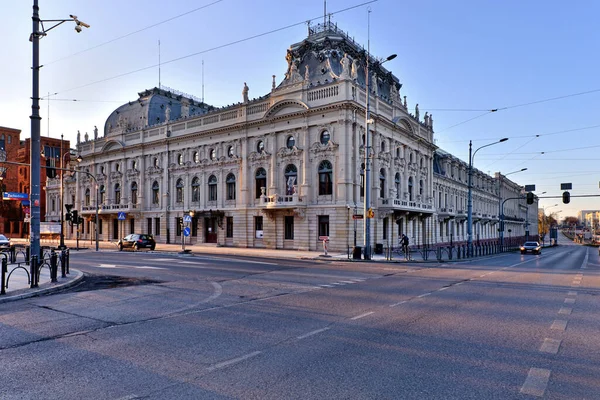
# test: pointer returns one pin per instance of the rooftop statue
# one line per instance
(345, 61)
(245, 93)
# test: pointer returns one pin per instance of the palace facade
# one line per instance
(285, 169)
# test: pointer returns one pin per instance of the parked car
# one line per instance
(137, 241)
(4, 243)
(531, 247)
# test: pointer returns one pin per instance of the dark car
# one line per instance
(137, 241)
(4, 243)
(531, 247)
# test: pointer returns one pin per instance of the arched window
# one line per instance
(382, 146)
(325, 137)
(134, 189)
(155, 193)
(102, 193)
(212, 188)
(180, 159)
(410, 189)
(410, 159)
(261, 181)
(195, 189)
(291, 142)
(291, 178)
(382, 183)
(117, 167)
(213, 154)
(230, 153)
(260, 146)
(179, 191)
(398, 184)
(155, 162)
(421, 188)
(196, 157)
(325, 178)
(230, 182)
(397, 152)
(117, 193)
(87, 197)
(421, 163)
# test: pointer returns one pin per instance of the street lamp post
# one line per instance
(470, 194)
(35, 162)
(500, 214)
(544, 223)
(367, 189)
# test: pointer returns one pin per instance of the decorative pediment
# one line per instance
(153, 170)
(285, 107)
(112, 145)
(289, 152)
(132, 173)
(115, 175)
(318, 147)
(256, 156)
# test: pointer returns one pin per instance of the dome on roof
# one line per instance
(153, 107)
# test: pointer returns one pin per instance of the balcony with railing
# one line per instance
(405, 205)
(278, 201)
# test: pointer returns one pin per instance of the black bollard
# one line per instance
(63, 260)
(3, 273)
(68, 261)
(27, 250)
(33, 269)
(13, 254)
(53, 266)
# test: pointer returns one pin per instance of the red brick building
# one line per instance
(17, 177)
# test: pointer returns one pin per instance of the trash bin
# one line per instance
(356, 252)
(378, 248)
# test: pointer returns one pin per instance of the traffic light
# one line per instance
(50, 170)
(75, 217)
(80, 221)
(68, 216)
(566, 197)
(530, 198)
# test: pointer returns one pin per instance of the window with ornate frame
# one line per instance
(260, 146)
(325, 137)
(212, 188)
(291, 142)
(325, 178)
(134, 190)
(102, 191)
(87, 197)
(195, 189)
(382, 183)
(230, 182)
(291, 178)
(155, 193)
(179, 191)
(261, 181)
(117, 193)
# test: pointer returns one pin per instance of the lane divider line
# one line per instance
(424, 294)
(572, 293)
(311, 333)
(233, 361)
(550, 346)
(362, 315)
(559, 325)
(565, 310)
(569, 301)
(536, 382)
(397, 304)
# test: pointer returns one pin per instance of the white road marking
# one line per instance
(158, 259)
(572, 293)
(146, 267)
(233, 361)
(569, 301)
(550, 346)
(444, 288)
(536, 382)
(424, 294)
(565, 310)
(362, 315)
(312, 333)
(397, 304)
(326, 285)
(106, 266)
(559, 325)
(348, 282)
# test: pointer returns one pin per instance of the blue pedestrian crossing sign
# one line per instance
(187, 219)
(186, 231)
(121, 216)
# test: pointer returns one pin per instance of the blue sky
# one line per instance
(456, 59)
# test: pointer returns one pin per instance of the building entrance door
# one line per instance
(210, 230)
(116, 229)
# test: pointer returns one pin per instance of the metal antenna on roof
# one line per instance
(202, 81)
(159, 63)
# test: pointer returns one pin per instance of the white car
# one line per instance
(4, 243)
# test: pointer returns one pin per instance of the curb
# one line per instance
(44, 289)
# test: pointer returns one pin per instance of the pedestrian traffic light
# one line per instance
(75, 217)
(50, 170)
(68, 216)
(530, 198)
(566, 197)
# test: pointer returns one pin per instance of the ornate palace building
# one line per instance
(281, 170)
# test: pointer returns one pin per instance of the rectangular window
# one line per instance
(258, 223)
(99, 227)
(178, 225)
(323, 225)
(156, 226)
(230, 190)
(212, 193)
(149, 226)
(194, 226)
(385, 229)
(289, 227)
(229, 231)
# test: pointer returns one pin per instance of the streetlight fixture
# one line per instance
(368, 120)
(470, 194)
(35, 161)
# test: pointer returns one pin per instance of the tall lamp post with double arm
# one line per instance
(35, 162)
(470, 194)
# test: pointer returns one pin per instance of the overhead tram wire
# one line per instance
(135, 32)
(217, 47)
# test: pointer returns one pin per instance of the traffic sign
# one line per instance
(370, 213)
(357, 216)
(186, 231)
(187, 219)
(121, 216)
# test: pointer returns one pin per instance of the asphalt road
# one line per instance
(506, 327)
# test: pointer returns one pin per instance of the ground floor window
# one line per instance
(157, 226)
(132, 225)
(99, 227)
(149, 226)
(229, 230)
(289, 227)
(323, 225)
(258, 226)
(178, 226)
(194, 226)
